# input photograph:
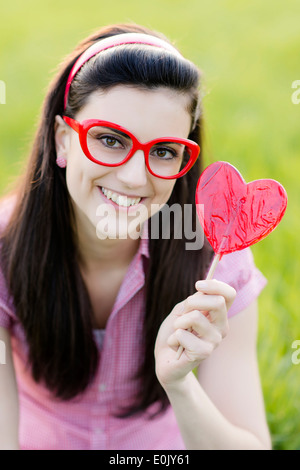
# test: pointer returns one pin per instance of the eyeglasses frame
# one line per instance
(83, 127)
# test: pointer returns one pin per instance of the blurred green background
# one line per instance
(249, 53)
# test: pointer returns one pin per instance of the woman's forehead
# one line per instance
(161, 110)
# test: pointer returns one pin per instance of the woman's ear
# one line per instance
(62, 141)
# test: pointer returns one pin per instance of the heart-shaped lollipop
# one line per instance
(234, 214)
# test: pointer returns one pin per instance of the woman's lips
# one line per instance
(122, 201)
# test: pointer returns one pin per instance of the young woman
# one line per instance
(93, 306)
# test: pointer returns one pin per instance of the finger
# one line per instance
(205, 303)
(214, 304)
(201, 326)
(179, 308)
(195, 349)
(215, 287)
(173, 342)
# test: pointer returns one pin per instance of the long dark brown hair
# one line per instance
(39, 246)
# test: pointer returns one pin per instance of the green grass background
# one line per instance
(249, 53)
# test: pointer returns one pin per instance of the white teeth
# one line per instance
(120, 200)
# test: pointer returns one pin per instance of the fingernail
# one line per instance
(201, 285)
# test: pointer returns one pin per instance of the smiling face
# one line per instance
(115, 200)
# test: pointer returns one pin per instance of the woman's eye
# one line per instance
(164, 153)
(111, 142)
(161, 153)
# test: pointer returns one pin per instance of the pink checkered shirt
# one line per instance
(88, 421)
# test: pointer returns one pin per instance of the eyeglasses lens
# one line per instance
(111, 146)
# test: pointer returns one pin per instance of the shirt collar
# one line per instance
(144, 244)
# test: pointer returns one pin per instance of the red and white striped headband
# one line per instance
(113, 41)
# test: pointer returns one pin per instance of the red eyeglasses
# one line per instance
(109, 144)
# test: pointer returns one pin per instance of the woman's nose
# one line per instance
(133, 173)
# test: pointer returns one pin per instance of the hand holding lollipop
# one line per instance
(235, 215)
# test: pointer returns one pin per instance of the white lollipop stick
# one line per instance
(209, 276)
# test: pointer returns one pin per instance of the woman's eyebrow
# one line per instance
(117, 131)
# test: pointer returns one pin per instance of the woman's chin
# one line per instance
(114, 230)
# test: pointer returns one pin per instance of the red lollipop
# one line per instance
(234, 214)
